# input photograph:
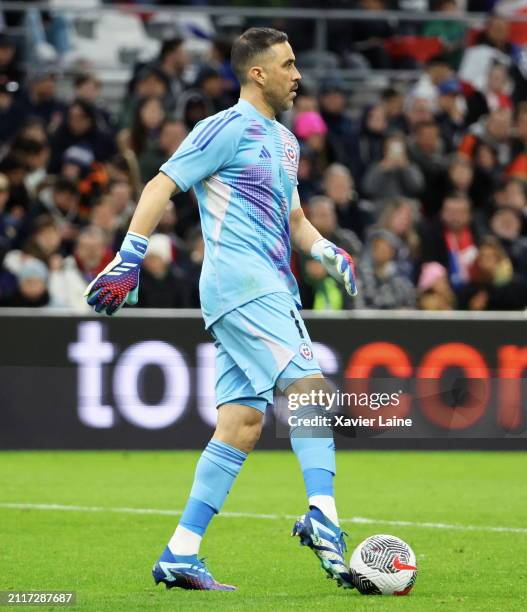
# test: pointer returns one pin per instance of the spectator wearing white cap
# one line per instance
(162, 284)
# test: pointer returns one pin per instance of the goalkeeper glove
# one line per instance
(118, 283)
(337, 262)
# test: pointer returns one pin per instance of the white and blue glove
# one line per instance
(118, 283)
(337, 262)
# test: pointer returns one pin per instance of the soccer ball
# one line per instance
(383, 565)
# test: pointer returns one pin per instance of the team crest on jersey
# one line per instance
(290, 151)
(305, 351)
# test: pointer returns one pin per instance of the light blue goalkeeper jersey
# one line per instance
(243, 168)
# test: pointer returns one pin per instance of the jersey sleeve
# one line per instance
(211, 144)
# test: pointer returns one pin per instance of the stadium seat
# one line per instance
(118, 38)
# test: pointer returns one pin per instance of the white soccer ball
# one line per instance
(383, 565)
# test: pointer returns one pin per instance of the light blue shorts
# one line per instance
(259, 345)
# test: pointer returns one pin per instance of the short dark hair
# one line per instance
(250, 44)
(168, 46)
(63, 185)
(84, 77)
(457, 195)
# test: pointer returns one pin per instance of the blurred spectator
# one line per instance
(90, 256)
(192, 107)
(506, 224)
(62, 202)
(121, 167)
(87, 87)
(34, 129)
(309, 183)
(44, 242)
(149, 82)
(221, 54)
(80, 167)
(103, 215)
(459, 178)
(47, 34)
(367, 36)
(173, 63)
(401, 217)
(16, 171)
(6, 235)
(451, 113)
(312, 131)
(12, 112)
(171, 135)
(449, 31)
(10, 66)
(393, 104)
(146, 126)
(518, 166)
(323, 216)
(321, 291)
(162, 284)
(210, 84)
(352, 213)
(434, 290)
(426, 151)
(495, 95)
(32, 286)
(394, 175)
(460, 174)
(511, 192)
(180, 217)
(494, 44)
(369, 144)
(452, 239)
(305, 102)
(381, 283)
(493, 284)
(44, 102)
(334, 110)
(121, 195)
(416, 110)
(35, 157)
(437, 71)
(191, 265)
(80, 128)
(495, 131)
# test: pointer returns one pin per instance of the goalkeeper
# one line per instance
(242, 165)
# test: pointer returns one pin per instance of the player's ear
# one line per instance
(257, 74)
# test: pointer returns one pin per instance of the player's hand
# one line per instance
(118, 283)
(337, 262)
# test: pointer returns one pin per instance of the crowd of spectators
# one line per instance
(425, 186)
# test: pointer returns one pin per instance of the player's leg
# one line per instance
(270, 343)
(314, 446)
(315, 449)
(237, 431)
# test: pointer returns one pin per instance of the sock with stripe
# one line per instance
(315, 451)
(216, 470)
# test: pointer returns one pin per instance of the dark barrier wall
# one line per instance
(148, 382)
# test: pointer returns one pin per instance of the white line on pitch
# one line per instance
(355, 519)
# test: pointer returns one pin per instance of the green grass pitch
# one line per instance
(106, 555)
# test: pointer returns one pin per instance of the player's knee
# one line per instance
(249, 435)
(239, 426)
